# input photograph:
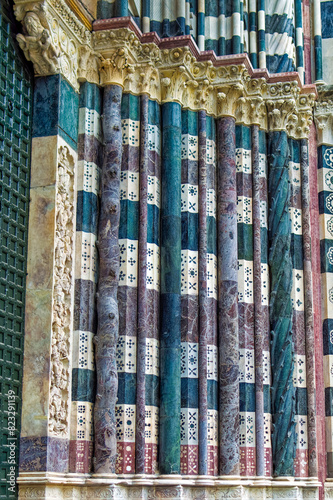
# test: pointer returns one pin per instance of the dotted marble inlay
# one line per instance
(153, 267)
(154, 138)
(83, 350)
(246, 366)
(154, 191)
(302, 432)
(90, 123)
(245, 281)
(82, 421)
(129, 185)
(266, 367)
(262, 165)
(295, 173)
(212, 362)
(88, 177)
(128, 272)
(189, 426)
(267, 430)
(85, 256)
(212, 427)
(210, 152)
(189, 149)
(244, 210)
(296, 220)
(247, 433)
(243, 161)
(264, 285)
(328, 366)
(189, 272)
(263, 214)
(189, 198)
(189, 360)
(151, 424)
(126, 354)
(211, 203)
(211, 276)
(130, 132)
(152, 357)
(297, 293)
(299, 375)
(125, 423)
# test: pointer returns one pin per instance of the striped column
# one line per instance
(297, 294)
(309, 311)
(190, 294)
(211, 26)
(253, 33)
(221, 28)
(261, 33)
(128, 285)
(261, 314)
(170, 337)
(317, 38)
(148, 290)
(88, 186)
(247, 406)
(228, 290)
(188, 17)
(264, 282)
(325, 188)
(201, 25)
(281, 269)
(145, 16)
(236, 26)
(212, 337)
(181, 14)
(299, 39)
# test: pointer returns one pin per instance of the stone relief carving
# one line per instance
(37, 45)
(63, 283)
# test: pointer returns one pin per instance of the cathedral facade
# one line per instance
(166, 287)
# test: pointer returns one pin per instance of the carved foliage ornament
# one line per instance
(63, 284)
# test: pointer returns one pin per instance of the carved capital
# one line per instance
(228, 99)
(173, 85)
(114, 69)
(323, 116)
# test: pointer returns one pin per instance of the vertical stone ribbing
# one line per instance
(282, 349)
(107, 303)
(228, 290)
(309, 319)
(170, 335)
(259, 325)
(203, 302)
(142, 291)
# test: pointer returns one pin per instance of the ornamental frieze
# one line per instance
(144, 63)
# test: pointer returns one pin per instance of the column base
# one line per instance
(47, 486)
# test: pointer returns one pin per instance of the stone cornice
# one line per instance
(170, 69)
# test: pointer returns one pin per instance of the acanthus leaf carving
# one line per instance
(113, 69)
(173, 84)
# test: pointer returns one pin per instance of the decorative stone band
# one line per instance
(171, 69)
(169, 488)
(62, 297)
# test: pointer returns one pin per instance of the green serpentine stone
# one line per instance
(282, 347)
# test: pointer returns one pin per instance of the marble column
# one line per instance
(170, 335)
(228, 291)
(107, 302)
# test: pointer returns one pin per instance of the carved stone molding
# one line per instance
(323, 115)
(172, 491)
(62, 297)
(54, 39)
